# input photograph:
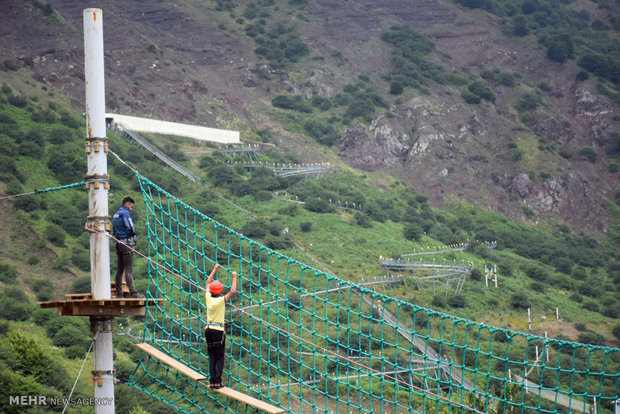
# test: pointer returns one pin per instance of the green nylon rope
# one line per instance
(306, 341)
(45, 190)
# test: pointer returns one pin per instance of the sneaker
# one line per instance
(217, 386)
(136, 296)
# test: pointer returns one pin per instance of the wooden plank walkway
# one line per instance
(170, 361)
(261, 405)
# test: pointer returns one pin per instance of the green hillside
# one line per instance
(45, 248)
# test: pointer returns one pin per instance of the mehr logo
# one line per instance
(27, 400)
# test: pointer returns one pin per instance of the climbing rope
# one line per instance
(300, 338)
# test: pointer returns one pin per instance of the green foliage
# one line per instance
(44, 289)
(591, 338)
(528, 102)
(482, 90)
(55, 234)
(281, 45)
(520, 300)
(296, 103)
(589, 153)
(323, 132)
(16, 306)
(413, 231)
(8, 274)
(305, 226)
(409, 52)
(30, 360)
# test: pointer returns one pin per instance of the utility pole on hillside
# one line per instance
(98, 222)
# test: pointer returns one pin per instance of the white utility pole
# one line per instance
(98, 183)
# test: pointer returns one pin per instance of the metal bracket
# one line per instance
(101, 323)
(98, 223)
(98, 376)
(96, 180)
(95, 144)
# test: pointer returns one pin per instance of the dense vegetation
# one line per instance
(566, 33)
(540, 267)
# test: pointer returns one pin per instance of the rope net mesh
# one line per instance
(309, 342)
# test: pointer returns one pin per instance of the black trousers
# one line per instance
(124, 264)
(216, 347)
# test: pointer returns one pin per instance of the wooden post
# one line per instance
(529, 319)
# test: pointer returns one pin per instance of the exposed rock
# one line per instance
(379, 147)
(521, 185)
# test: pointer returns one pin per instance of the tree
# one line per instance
(519, 26)
(413, 231)
(520, 300)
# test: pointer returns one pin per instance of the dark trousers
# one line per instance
(216, 346)
(124, 263)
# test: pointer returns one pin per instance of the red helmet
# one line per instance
(216, 287)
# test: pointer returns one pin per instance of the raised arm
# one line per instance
(233, 287)
(212, 275)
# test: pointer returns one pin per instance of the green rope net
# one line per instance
(308, 342)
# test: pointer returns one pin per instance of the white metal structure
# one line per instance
(98, 221)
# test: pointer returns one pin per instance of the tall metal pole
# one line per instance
(97, 181)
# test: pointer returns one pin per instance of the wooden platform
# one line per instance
(261, 405)
(83, 304)
(168, 360)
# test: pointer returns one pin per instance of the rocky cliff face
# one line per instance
(179, 61)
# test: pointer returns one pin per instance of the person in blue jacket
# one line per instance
(125, 233)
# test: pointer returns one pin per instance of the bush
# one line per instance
(305, 226)
(520, 300)
(16, 306)
(55, 234)
(82, 285)
(438, 301)
(44, 290)
(591, 306)
(413, 231)
(8, 274)
(457, 301)
(71, 335)
(616, 331)
(589, 153)
(591, 338)
(481, 89)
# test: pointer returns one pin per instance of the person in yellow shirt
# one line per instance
(215, 332)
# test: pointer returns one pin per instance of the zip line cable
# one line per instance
(45, 190)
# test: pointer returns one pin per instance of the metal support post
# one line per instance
(97, 181)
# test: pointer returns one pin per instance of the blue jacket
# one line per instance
(122, 224)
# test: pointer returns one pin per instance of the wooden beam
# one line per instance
(261, 405)
(168, 360)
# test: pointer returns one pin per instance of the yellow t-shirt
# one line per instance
(215, 311)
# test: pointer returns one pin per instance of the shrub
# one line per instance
(616, 331)
(44, 289)
(520, 300)
(470, 98)
(591, 338)
(254, 229)
(413, 231)
(70, 335)
(8, 274)
(15, 304)
(438, 301)
(589, 153)
(591, 306)
(55, 234)
(481, 89)
(305, 226)
(82, 285)
(457, 301)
